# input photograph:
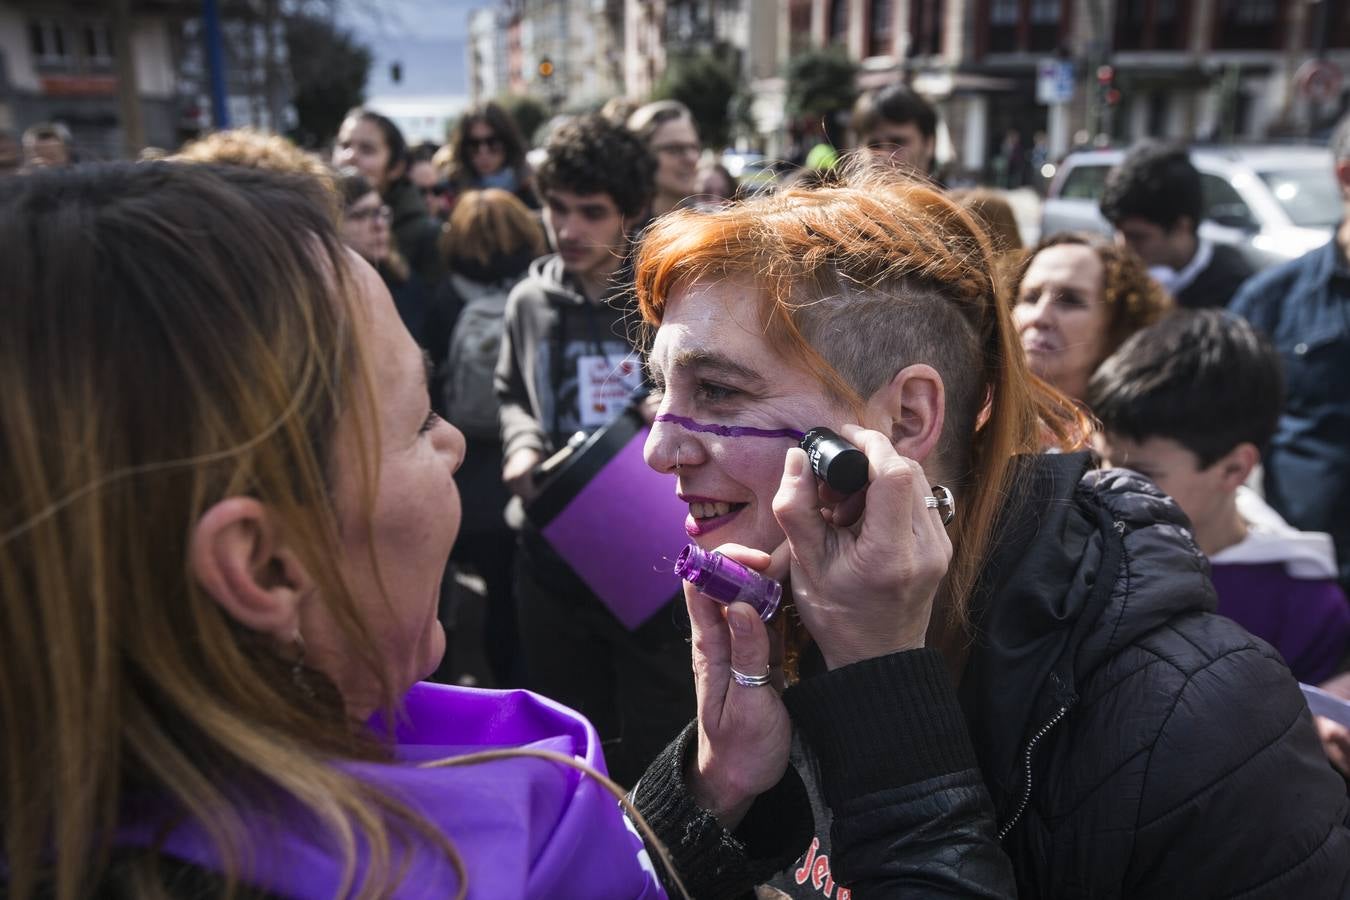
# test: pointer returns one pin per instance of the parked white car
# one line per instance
(1273, 202)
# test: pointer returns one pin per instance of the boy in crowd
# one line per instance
(1155, 201)
(567, 320)
(897, 127)
(1189, 402)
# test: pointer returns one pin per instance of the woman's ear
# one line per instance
(236, 555)
(914, 404)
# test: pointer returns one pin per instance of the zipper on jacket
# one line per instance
(1026, 788)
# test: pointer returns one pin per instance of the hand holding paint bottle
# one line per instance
(744, 733)
(863, 589)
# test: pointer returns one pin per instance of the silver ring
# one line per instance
(946, 503)
(745, 680)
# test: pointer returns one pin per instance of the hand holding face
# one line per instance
(743, 732)
(864, 590)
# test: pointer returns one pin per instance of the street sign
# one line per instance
(1318, 80)
(1054, 82)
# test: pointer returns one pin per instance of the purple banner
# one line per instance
(621, 534)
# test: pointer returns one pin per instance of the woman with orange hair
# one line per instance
(1098, 694)
(225, 511)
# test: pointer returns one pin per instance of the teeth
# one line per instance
(701, 510)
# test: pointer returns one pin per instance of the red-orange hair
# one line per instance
(860, 279)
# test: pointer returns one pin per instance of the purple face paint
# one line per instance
(689, 424)
(727, 581)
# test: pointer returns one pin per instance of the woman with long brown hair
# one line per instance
(225, 511)
(1131, 743)
(486, 150)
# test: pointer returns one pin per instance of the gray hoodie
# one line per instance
(567, 363)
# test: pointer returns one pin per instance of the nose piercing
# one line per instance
(677, 458)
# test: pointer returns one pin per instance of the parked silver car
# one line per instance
(1274, 203)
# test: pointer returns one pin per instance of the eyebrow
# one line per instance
(715, 363)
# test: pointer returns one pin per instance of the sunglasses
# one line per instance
(439, 189)
(473, 145)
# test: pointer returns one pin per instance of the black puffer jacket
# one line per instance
(1134, 744)
(1176, 757)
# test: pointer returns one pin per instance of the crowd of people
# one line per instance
(262, 406)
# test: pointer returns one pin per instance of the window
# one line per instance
(1223, 204)
(70, 46)
(879, 39)
(799, 26)
(925, 27)
(1044, 16)
(1044, 12)
(1150, 25)
(47, 41)
(1308, 196)
(1003, 12)
(1024, 26)
(1253, 12)
(1248, 25)
(1085, 183)
(97, 47)
(839, 21)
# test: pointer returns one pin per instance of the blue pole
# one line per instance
(215, 63)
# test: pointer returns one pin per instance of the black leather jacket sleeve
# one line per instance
(912, 816)
(911, 813)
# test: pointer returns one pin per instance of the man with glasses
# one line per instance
(667, 128)
(568, 364)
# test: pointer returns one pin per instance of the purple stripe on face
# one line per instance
(730, 430)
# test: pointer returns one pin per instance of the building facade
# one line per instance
(568, 52)
(1195, 70)
(59, 62)
(489, 53)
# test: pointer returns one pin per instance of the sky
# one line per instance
(429, 38)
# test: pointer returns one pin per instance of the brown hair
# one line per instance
(254, 149)
(455, 155)
(488, 226)
(857, 281)
(1133, 299)
(172, 335)
(644, 120)
(995, 215)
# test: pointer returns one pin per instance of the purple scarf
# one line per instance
(523, 827)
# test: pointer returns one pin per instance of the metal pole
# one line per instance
(128, 92)
(215, 63)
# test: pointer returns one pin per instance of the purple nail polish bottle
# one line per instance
(727, 581)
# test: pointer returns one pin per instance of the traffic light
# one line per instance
(546, 68)
(396, 72)
(1106, 88)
